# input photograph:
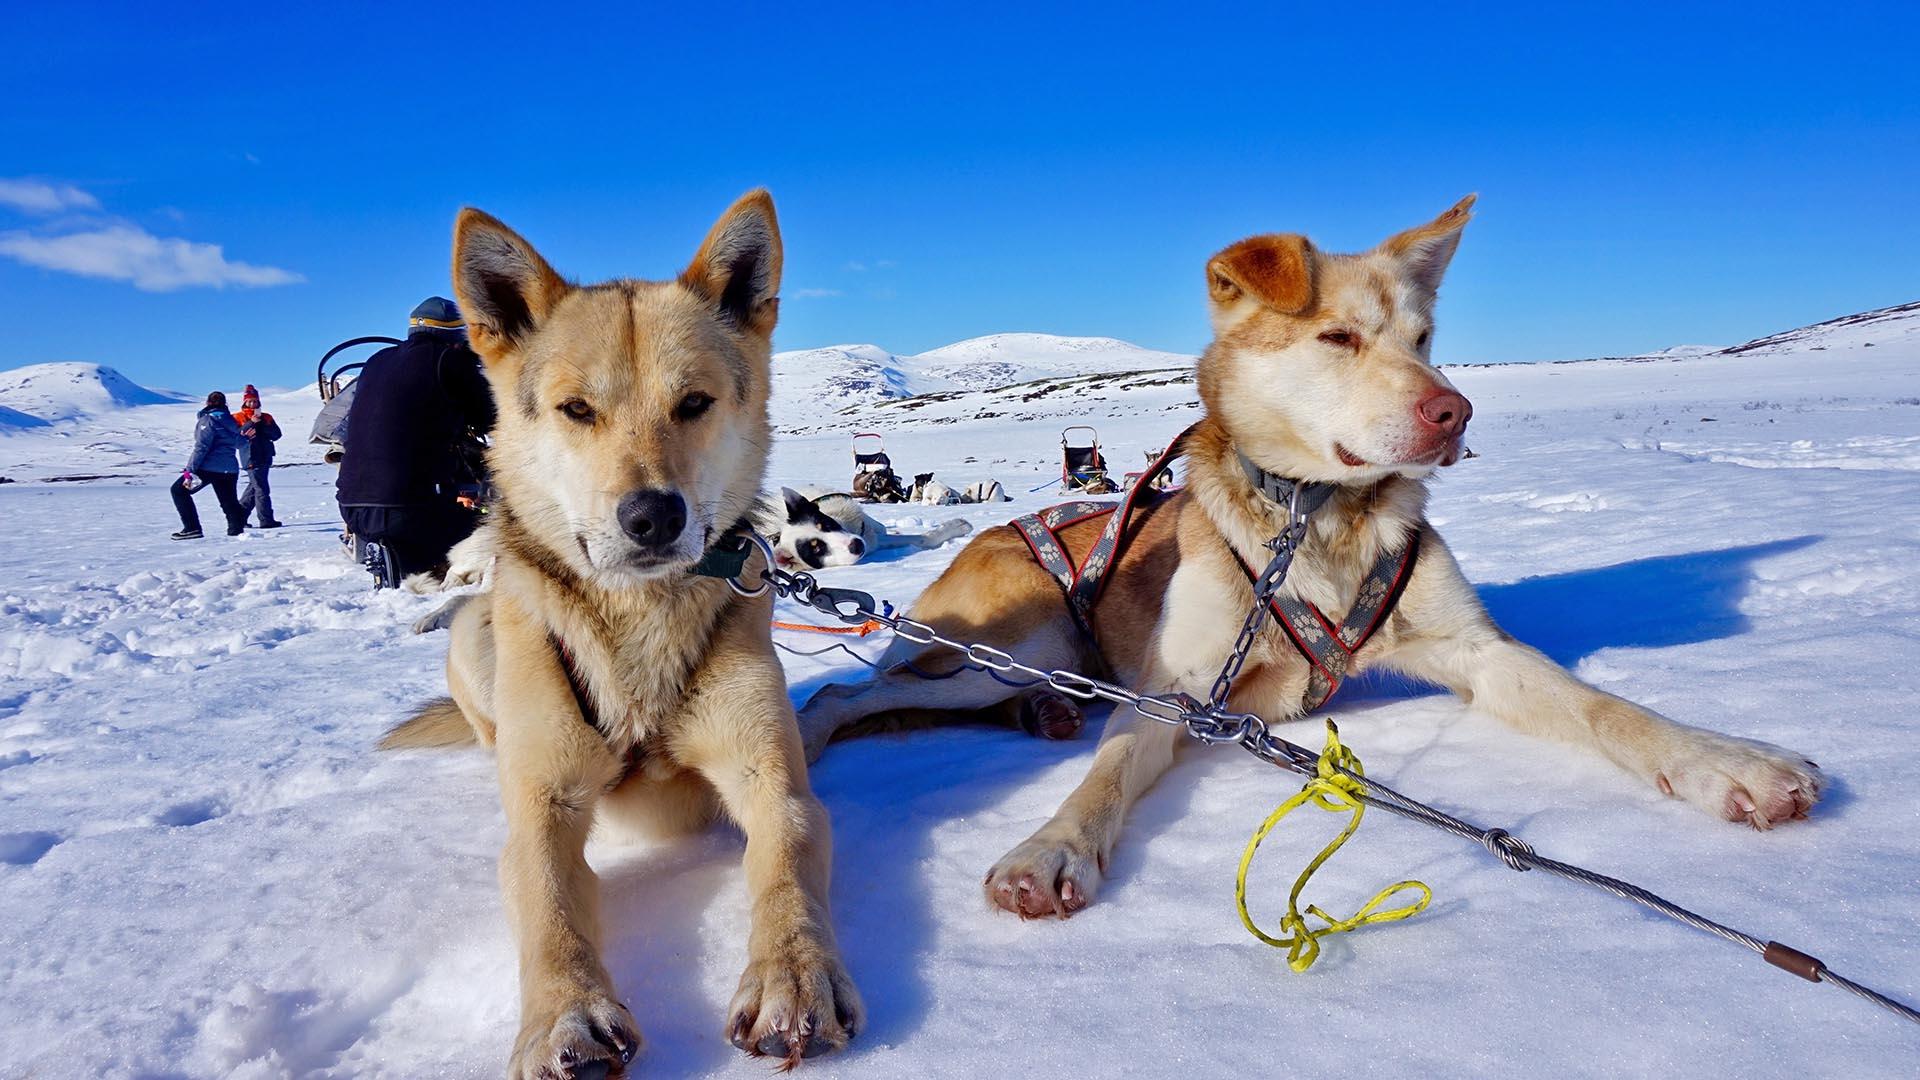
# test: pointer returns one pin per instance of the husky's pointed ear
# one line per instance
(797, 504)
(1425, 251)
(1274, 271)
(504, 287)
(738, 266)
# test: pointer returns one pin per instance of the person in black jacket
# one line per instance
(416, 406)
(212, 463)
(256, 457)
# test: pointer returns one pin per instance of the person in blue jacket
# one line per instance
(214, 463)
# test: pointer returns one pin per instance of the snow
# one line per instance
(206, 872)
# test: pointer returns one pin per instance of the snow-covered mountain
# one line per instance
(86, 421)
(810, 386)
(69, 391)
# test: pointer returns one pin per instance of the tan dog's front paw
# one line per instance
(1046, 876)
(795, 1007)
(1742, 780)
(588, 1036)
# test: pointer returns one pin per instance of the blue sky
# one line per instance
(1653, 176)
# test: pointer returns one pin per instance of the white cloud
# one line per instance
(123, 252)
(41, 197)
(814, 294)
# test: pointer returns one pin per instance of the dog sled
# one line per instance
(336, 394)
(874, 480)
(1082, 467)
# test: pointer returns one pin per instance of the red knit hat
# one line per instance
(250, 395)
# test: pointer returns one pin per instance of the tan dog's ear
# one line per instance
(504, 287)
(1425, 251)
(738, 266)
(1275, 271)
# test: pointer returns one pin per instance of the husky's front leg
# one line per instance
(553, 767)
(795, 999)
(1058, 870)
(1447, 637)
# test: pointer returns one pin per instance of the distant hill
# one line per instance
(1060, 380)
(812, 384)
(1895, 325)
(69, 391)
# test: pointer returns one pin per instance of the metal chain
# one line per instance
(1283, 545)
(1211, 722)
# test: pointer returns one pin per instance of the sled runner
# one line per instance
(1082, 467)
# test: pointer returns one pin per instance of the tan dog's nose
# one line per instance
(652, 518)
(1445, 411)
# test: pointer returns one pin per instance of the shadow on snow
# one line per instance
(891, 796)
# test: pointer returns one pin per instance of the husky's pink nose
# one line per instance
(1446, 412)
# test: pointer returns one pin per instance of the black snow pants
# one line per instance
(259, 495)
(223, 485)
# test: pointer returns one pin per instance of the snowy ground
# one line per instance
(204, 871)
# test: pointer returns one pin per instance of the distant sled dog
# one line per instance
(817, 528)
(616, 687)
(1318, 374)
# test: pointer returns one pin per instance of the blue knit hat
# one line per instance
(435, 313)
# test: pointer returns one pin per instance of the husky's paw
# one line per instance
(1046, 876)
(796, 1006)
(585, 1036)
(1045, 714)
(440, 618)
(1743, 780)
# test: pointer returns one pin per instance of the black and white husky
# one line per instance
(817, 528)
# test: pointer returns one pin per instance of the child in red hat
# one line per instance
(256, 457)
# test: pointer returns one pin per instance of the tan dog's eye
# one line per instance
(693, 406)
(1345, 339)
(577, 410)
(1421, 341)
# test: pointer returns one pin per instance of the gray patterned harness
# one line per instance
(1328, 648)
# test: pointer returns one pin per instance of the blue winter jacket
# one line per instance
(216, 442)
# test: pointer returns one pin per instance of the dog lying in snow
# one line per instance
(1318, 377)
(817, 528)
(932, 492)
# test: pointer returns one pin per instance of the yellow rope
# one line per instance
(1330, 790)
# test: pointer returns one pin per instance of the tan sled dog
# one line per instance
(1318, 372)
(616, 687)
